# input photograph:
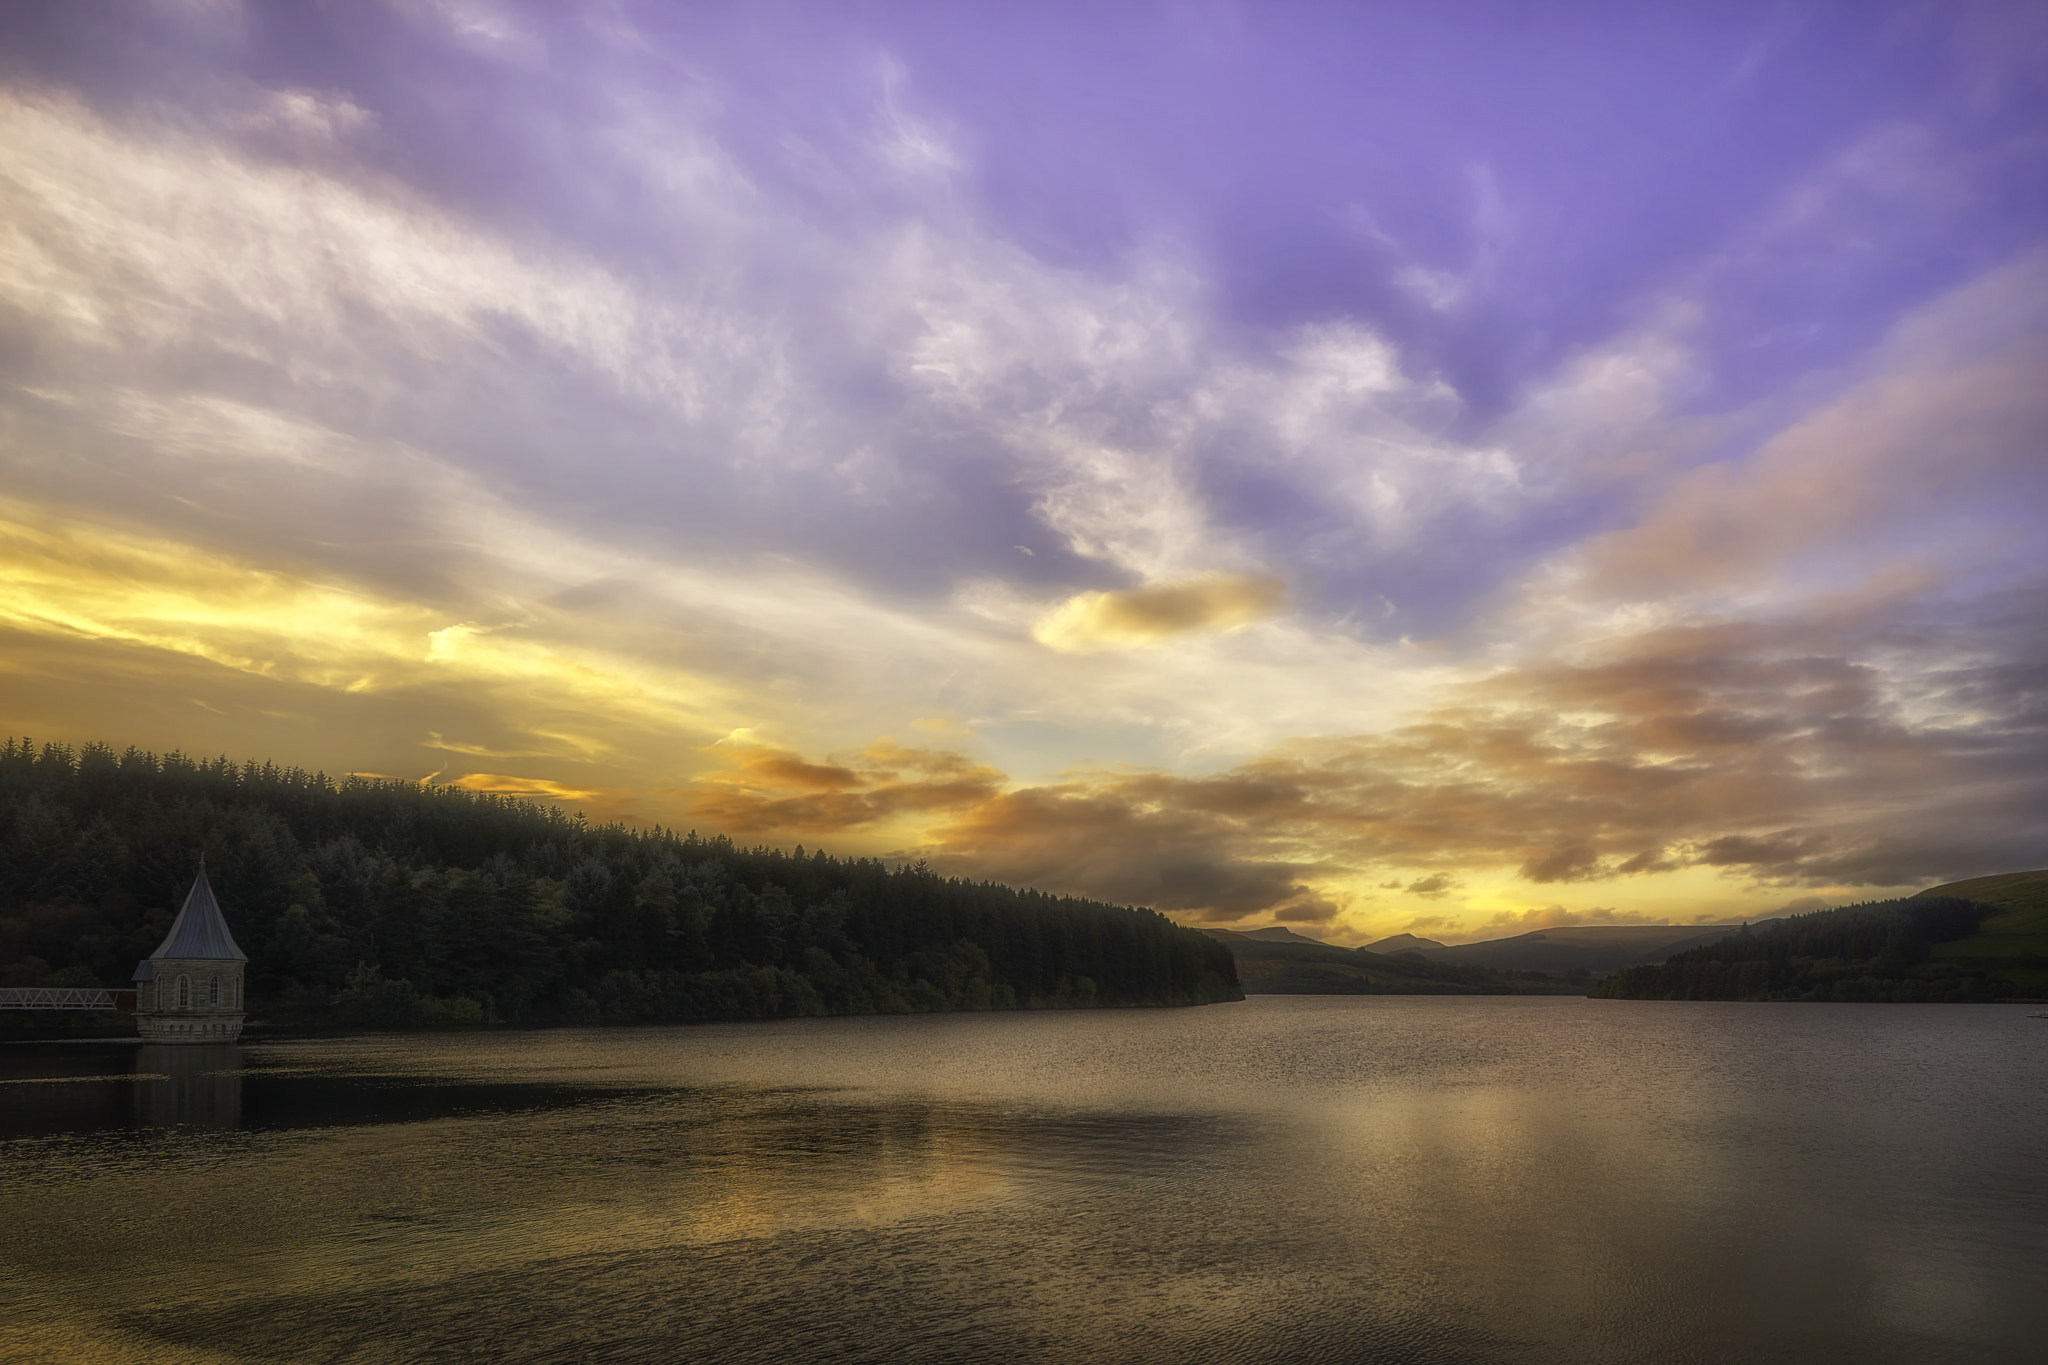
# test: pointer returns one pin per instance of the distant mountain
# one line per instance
(1582, 949)
(1401, 943)
(1268, 964)
(1279, 960)
(1276, 934)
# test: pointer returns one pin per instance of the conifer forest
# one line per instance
(378, 902)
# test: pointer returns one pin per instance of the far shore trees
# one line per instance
(377, 902)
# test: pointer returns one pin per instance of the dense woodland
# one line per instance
(376, 902)
(1880, 951)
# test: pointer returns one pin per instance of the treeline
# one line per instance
(1879, 951)
(373, 901)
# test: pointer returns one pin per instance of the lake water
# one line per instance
(1287, 1179)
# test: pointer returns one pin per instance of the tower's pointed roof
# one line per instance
(199, 931)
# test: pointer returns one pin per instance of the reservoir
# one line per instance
(1431, 1179)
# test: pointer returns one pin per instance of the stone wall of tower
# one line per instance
(192, 1000)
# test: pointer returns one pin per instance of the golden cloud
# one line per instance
(1559, 917)
(68, 579)
(766, 791)
(104, 584)
(537, 788)
(1161, 611)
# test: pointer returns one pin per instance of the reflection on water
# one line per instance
(1286, 1179)
(190, 1086)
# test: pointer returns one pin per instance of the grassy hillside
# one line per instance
(1277, 967)
(2011, 943)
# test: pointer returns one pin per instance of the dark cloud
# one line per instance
(1772, 854)
(1576, 863)
(1099, 840)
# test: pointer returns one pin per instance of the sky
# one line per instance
(1451, 468)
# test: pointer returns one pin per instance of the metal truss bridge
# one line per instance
(64, 998)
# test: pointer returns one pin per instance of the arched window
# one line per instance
(213, 990)
(184, 991)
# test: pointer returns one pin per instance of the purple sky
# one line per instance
(1583, 461)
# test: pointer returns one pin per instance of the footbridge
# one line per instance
(65, 998)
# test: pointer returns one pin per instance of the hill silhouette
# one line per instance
(1400, 943)
(1268, 966)
(1277, 934)
(1595, 949)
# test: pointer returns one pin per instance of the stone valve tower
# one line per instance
(190, 989)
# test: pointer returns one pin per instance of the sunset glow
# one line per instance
(1370, 470)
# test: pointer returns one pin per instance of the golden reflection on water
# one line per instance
(1447, 1180)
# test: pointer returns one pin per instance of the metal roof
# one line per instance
(145, 970)
(199, 931)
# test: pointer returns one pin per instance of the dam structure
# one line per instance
(190, 989)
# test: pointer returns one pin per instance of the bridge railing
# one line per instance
(64, 998)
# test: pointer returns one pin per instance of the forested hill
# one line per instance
(386, 902)
(1882, 951)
